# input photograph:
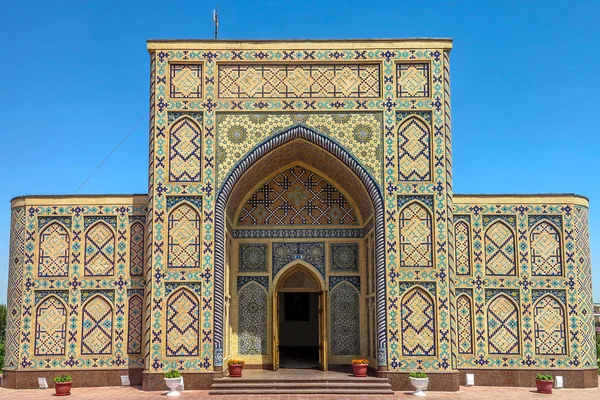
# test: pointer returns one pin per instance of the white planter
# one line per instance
(419, 384)
(173, 384)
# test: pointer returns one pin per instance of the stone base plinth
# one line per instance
(81, 378)
(572, 378)
(193, 381)
(438, 381)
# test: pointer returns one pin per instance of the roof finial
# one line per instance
(216, 21)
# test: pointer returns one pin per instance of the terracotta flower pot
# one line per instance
(235, 370)
(544, 387)
(62, 388)
(360, 370)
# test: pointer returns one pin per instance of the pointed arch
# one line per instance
(182, 336)
(549, 326)
(50, 327)
(416, 235)
(462, 237)
(503, 326)
(185, 151)
(99, 250)
(136, 243)
(298, 274)
(54, 250)
(96, 326)
(414, 150)
(183, 237)
(252, 319)
(464, 308)
(500, 250)
(275, 141)
(545, 244)
(134, 324)
(417, 310)
(345, 319)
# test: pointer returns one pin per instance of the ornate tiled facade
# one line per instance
(322, 166)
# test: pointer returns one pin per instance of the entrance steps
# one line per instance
(302, 382)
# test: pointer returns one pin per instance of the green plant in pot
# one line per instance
(62, 385)
(420, 381)
(544, 383)
(173, 381)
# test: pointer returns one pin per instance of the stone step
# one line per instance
(378, 392)
(368, 379)
(289, 385)
(301, 385)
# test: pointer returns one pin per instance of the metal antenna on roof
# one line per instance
(216, 21)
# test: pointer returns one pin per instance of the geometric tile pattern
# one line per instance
(182, 324)
(15, 288)
(253, 257)
(134, 325)
(311, 252)
(415, 236)
(549, 327)
(499, 250)
(418, 323)
(297, 197)
(50, 328)
(185, 155)
(54, 251)
(345, 320)
(412, 79)
(136, 243)
(344, 257)
(414, 150)
(465, 324)
(463, 248)
(252, 319)
(503, 326)
(99, 250)
(186, 80)
(97, 327)
(184, 237)
(545, 250)
(304, 81)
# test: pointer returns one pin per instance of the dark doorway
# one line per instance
(299, 330)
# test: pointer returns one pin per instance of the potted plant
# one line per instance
(62, 385)
(235, 367)
(420, 381)
(359, 367)
(173, 380)
(544, 383)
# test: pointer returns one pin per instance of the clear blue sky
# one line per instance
(525, 84)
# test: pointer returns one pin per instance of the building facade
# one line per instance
(300, 195)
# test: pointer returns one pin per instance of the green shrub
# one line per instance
(63, 378)
(418, 375)
(542, 377)
(172, 374)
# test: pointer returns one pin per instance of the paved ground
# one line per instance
(466, 393)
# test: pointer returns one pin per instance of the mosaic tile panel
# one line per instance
(465, 324)
(545, 248)
(97, 327)
(500, 250)
(99, 250)
(15, 289)
(549, 327)
(185, 151)
(134, 325)
(344, 257)
(136, 253)
(414, 150)
(300, 233)
(252, 319)
(311, 252)
(297, 197)
(503, 326)
(54, 251)
(50, 327)
(186, 81)
(416, 236)
(284, 81)
(412, 79)
(418, 323)
(182, 325)
(336, 279)
(184, 237)
(462, 237)
(345, 320)
(261, 280)
(253, 257)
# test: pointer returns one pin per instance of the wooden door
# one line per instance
(323, 350)
(275, 330)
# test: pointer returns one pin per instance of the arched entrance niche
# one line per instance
(290, 152)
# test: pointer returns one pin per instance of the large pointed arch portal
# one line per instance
(333, 148)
